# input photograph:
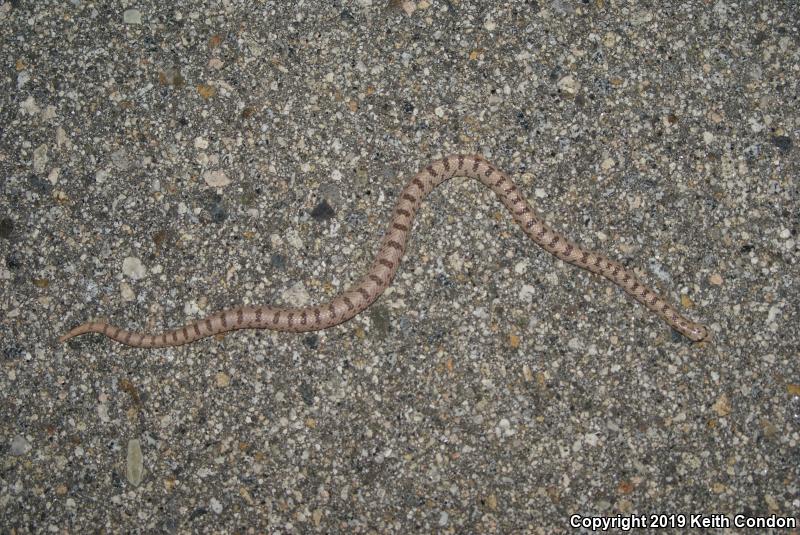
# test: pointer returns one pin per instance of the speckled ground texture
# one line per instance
(169, 159)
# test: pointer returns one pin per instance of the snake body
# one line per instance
(355, 299)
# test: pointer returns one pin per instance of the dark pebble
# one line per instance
(40, 185)
(6, 227)
(13, 261)
(322, 211)
(307, 393)
(784, 143)
(311, 341)
(278, 261)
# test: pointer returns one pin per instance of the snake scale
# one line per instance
(355, 299)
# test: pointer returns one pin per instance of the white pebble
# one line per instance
(408, 7)
(191, 308)
(296, 295)
(610, 39)
(444, 518)
(40, 158)
(569, 85)
(61, 137)
(102, 412)
(755, 125)
(133, 268)
(455, 261)
(527, 293)
(22, 79)
(132, 16)
(29, 106)
(19, 446)
(49, 113)
(773, 313)
(216, 179)
(503, 428)
(294, 239)
(215, 505)
(607, 164)
(480, 312)
(126, 292)
(134, 468)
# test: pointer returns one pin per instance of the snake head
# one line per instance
(699, 333)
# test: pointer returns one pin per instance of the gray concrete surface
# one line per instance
(162, 160)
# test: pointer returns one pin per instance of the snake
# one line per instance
(366, 290)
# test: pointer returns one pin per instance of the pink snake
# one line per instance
(352, 301)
